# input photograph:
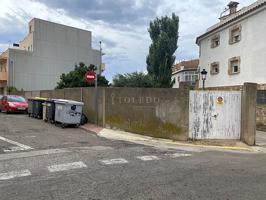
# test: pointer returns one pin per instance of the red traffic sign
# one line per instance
(90, 77)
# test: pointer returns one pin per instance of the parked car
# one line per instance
(13, 104)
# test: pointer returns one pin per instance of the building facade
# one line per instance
(185, 71)
(233, 51)
(48, 50)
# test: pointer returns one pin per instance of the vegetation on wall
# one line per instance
(164, 35)
(76, 78)
(135, 79)
(11, 89)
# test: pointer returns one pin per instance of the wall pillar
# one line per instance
(248, 113)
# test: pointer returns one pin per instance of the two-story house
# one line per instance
(185, 71)
(233, 51)
(48, 50)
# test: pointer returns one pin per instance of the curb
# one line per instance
(97, 130)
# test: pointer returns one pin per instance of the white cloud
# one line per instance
(126, 44)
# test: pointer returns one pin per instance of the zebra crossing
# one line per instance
(56, 168)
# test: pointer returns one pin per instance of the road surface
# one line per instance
(41, 161)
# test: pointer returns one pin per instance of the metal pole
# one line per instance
(203, 85)
(96, 86)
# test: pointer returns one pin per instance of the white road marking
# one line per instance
(13, 149)
(177, 155)
(24, 147)
(14, 174)
(114, 161)
(66, 166)
(148, 158)
(32, 154)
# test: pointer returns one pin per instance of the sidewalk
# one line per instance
(197, 146)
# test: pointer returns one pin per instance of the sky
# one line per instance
(121, 25)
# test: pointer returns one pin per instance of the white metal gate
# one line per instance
(214, 114)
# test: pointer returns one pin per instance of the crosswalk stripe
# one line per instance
(114, 161)
(14, 174)
(23, 146)
(177, 155)
(66, 166)
(148, 158)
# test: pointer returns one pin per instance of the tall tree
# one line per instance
(164, 35)
(76, 78)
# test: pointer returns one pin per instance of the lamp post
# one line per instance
(203, 75)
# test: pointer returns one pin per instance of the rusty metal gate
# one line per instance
(214, 114)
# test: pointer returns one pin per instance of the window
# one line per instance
(214, 68)
(30, 29)
(234, 66)
(215, 41)
(28, 48)
(189, 76)
(235, 34)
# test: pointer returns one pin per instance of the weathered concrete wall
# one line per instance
(155, 112)
(248, 113)
(149, 111)
(261, 117)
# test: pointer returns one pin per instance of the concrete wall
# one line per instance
(251, 50)
(56, 49)
(261, 117)
(155, 112)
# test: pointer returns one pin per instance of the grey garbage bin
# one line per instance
(68, 112)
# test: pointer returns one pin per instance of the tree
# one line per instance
(76, 78)
(135, 79)
(164, 35)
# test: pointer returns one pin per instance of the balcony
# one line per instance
(3, 76)
(3, 69)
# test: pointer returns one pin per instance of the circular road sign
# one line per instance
(90, 77)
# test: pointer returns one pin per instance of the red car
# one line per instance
(13, 104)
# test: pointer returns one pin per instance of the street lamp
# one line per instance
(203, 75)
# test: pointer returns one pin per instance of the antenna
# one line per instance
(224, 11)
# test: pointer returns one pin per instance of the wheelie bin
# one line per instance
(37, 107)
(68, 112)
(30, 107)
(50, 109)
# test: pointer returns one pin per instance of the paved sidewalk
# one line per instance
(198, 146)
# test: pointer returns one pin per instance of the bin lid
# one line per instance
(51, 100)
(37, 98)
(65, 101)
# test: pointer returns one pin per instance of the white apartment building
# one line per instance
(48, 50)
(233, 51)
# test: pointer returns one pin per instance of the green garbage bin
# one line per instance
(38, 107)
(30, 107)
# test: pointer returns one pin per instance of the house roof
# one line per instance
(185, 66)
(232, 17)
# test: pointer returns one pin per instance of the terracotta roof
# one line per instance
(230, 18)
(185, 65)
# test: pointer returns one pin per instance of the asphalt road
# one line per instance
(41, 161)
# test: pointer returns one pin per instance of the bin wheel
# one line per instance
(77, 125)
(63, 126)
